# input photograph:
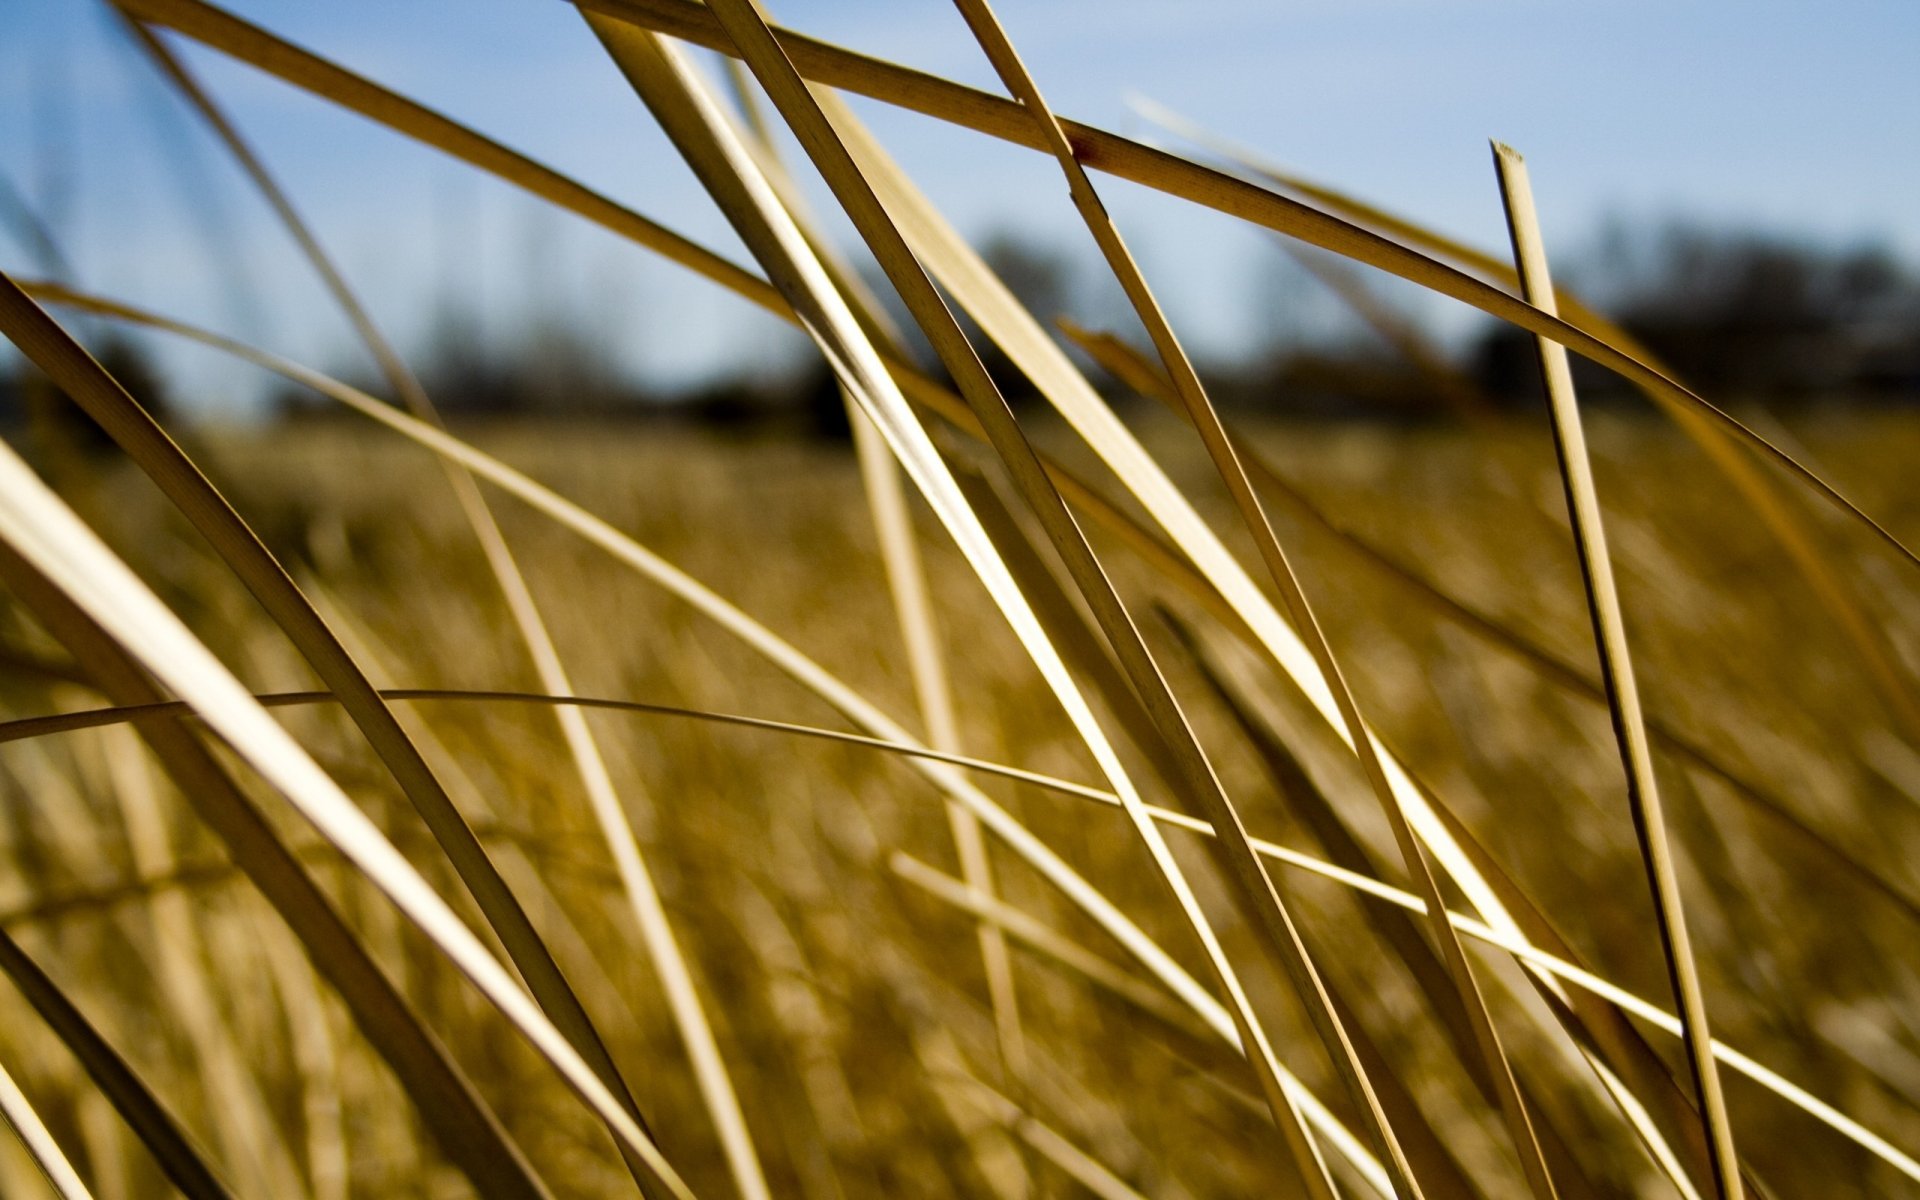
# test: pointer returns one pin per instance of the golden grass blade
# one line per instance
(1073, 1162)
(40, 1146)
(1555, 961)
(1220, 447)
(44, 532)
(143, 1112)
(1129, 160)
(1616, 668)
(250, 1141)
(1787, 526)
(224, 32)
(103, 399)
(906, 579)
(1128, 365)
(589, 763)
(459, 1120)
(946, 101)
(804, 115)
(1044, 940)
(807, 672)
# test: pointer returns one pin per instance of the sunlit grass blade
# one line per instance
(1787, 526)
(1616, 668)
(459, 1120)
(103, 399)
(1127, 159)
(185, 1167)
(39, 1142)
(1220, 447)
(1129, 366)
(44, 532)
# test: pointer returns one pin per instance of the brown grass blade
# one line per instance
(1220, 447)
(40, 1145)
(1129, 160)
(103, 399)
(1616, 668)
(1787, 526)
(149, 1119)
(44, 532)
(459, 1120)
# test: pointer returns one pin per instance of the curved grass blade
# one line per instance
(33, 1134)
(1555, 960)
(1129, 160)
(1130, 367)
(458, 1119)
(1220, 447)
(1786, 525)
(1616, 669)
(103, 399)
(149, 1119)
(47, 534)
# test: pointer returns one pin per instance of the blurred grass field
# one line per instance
(849, 1002)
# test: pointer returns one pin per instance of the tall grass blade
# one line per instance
(40, 1145)
(1616, 668)
(143, 1112)
(47, 534)
(1220, 448)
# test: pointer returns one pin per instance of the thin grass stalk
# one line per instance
(789, 94)
(97, 393)
(1558, 966)
(811, 675)
(459, 1120)
(157, 1128)
(888, 733)
(44, 532)
(906, 582)
(1616, 668)
(252, 1144)
(1220, 447)
(1131, 368)
(1130, 160)
(589, 763)
(39, 1142)
(1787, 526)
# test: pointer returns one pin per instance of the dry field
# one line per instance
(1004, 804)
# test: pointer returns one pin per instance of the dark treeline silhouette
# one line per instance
(1738, 315)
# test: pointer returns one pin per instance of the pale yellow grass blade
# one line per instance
(44, 532)
(1220, 447)
(1127, 159)
(588, 761)
(1616, 668)
(809, 673)
(40, 1146)
(1760, 494)
(1519, 947)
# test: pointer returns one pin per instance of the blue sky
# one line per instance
(1786, 116)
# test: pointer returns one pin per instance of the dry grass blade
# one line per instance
(1220, 447)
(1130, 366)
(1616, 668)
(149, 1119)
(1556, 961)
(459, 1120)
(33, 1134)
(1787, 526)
(590, 765)
(857, 198)
(103, 399)
(1127, 159)
(906, 575)
(46, 534)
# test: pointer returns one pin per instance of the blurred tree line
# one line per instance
(1738, 315)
